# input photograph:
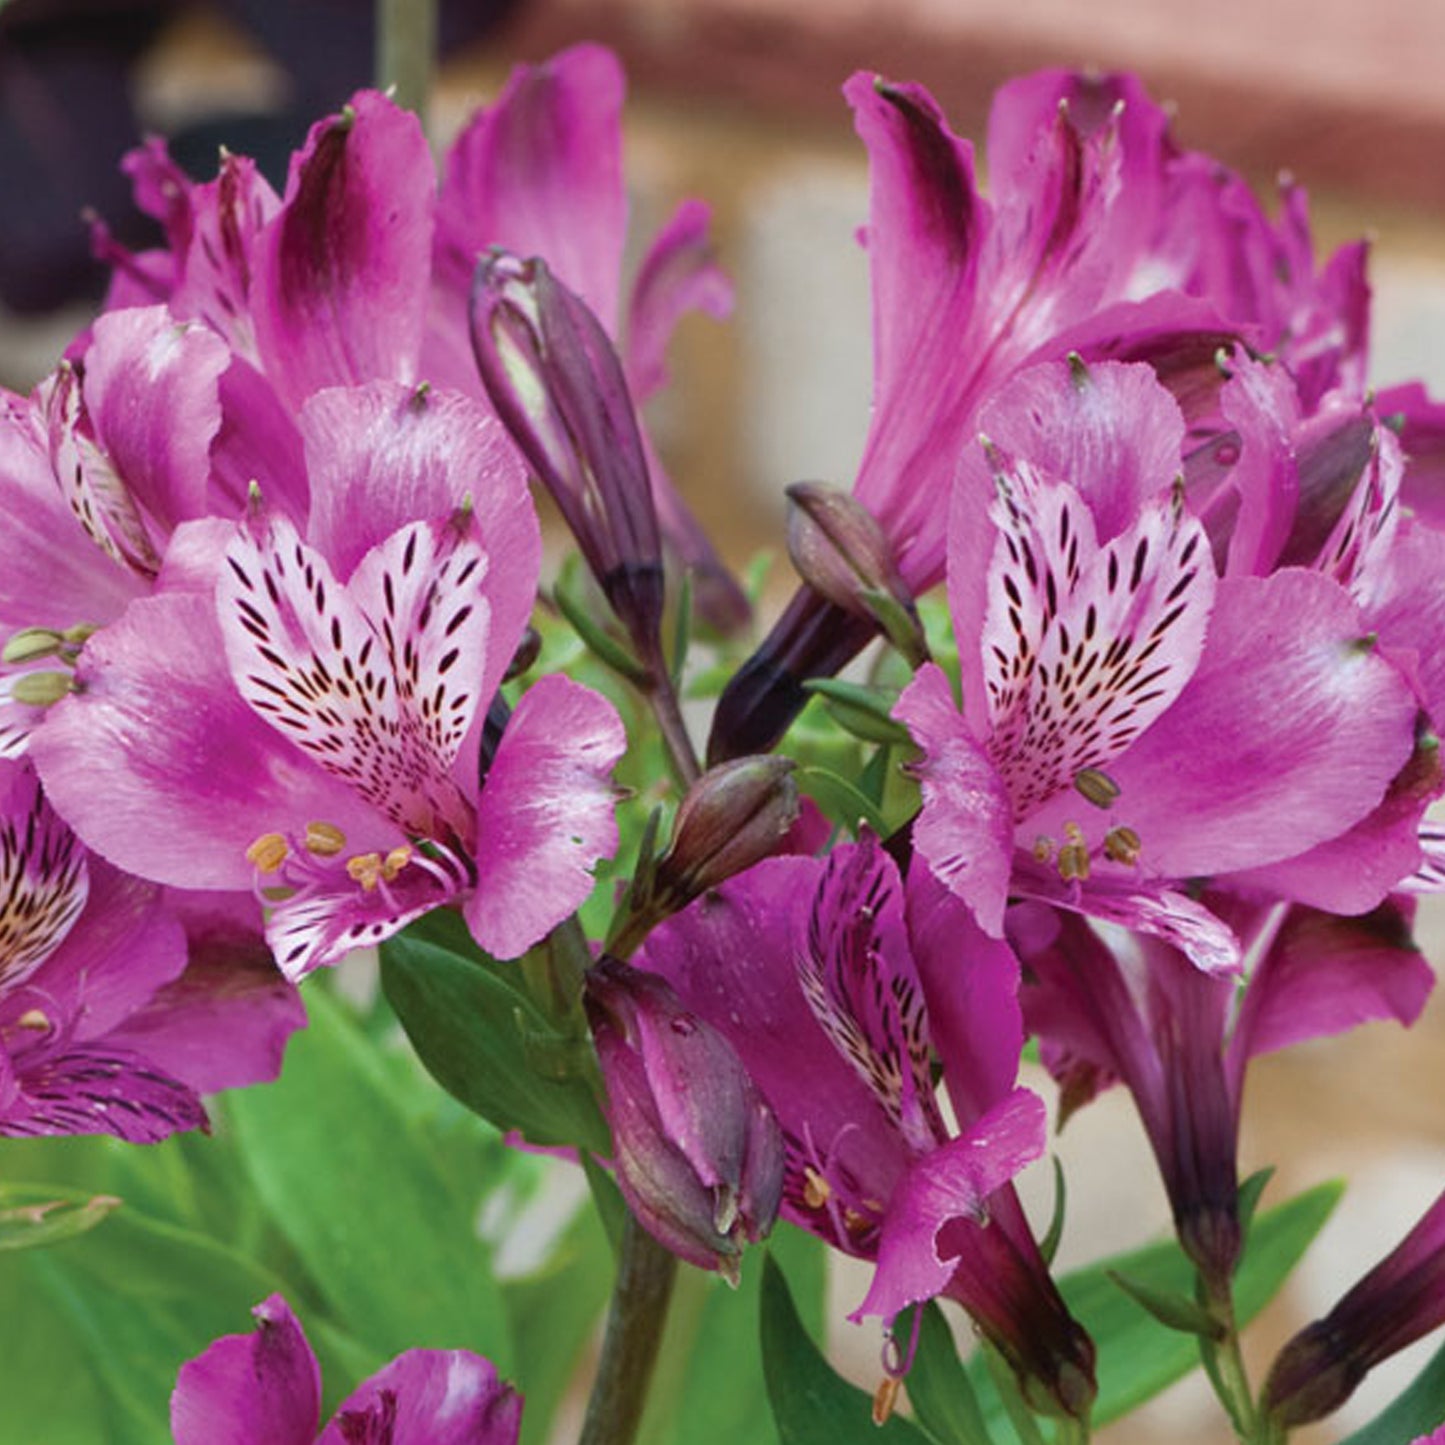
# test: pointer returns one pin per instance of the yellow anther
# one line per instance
(1043, 848)
(268, 852)
(40, 689)
(34, 1019)
(885, 1399)
(395, 861)
(325, 840)
(1123, 845)
(1096, 786)
(856, 1223)
(1074, 855)
(365, 869)
(816, 1190)
(30, 644)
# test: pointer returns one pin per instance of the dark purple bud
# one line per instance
(699, 1155)
(557, 385)
(841, 553)
(1396, 1303)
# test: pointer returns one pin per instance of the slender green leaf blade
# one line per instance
(812, 1404)
(939, 1387)
(391, 1246)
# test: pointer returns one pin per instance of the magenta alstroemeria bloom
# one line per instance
(1100, 236)
(361, 272)
(1108, 1007)
(104, 1027)
(97, 469)
(1129, 720)
(1395, 1304)
(816, 972)
(265, 1389)
(305, 716)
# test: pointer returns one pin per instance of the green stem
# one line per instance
(406, 44)
(662, 698)
(645, 1275)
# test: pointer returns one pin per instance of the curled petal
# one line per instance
(546, 814)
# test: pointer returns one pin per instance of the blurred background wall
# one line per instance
(738, 101)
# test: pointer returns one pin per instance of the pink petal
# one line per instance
(545, 815)
(951, 1182)
(159, 764)
(965, 831)
(679, 274)
(539, 173)
(343, 272)
(152, 391)
(1324, 974)
(257, 1389)
(442, 1397)
(382, 456)
(1289, 732)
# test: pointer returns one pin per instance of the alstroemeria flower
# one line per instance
(305, 716)
(816, 972)
(1110, 1007)
(104, 1029)
(1128, 719)
(97, 469)
(362, 272)
(1100, 237)
(265, 1389)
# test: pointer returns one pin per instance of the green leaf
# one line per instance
(812, 1404)
(553, 1313)
(1249, 1194)
(39, 1214)
(1137, 1359)
(391, 1245)
(841, 800)
(1175, 1311)
(1417, 1412)
(938, 1384)
(477, 1031)
(1049, 1244)
(866, 712)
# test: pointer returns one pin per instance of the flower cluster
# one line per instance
(269, 694)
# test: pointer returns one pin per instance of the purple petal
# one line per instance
(258, 442)
(970, 982)
(965, 831)
(679, 274)
(950, 1183)
(44, 878)
(855, 965)
(343, 271)
(540, 174)
(1289, 732)
(52, 1089)
(375, 682)
(159, 764)
(925, 232)
(1324, 974)
(382, 456)
(257, 1389)
(225, 1021)
(152, 391)
(545, 815)
(440, 1397)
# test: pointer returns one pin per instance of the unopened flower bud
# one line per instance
(840, 551)
(558, 387)
(1396, 1303)
(732, 817)
(699, 1155)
